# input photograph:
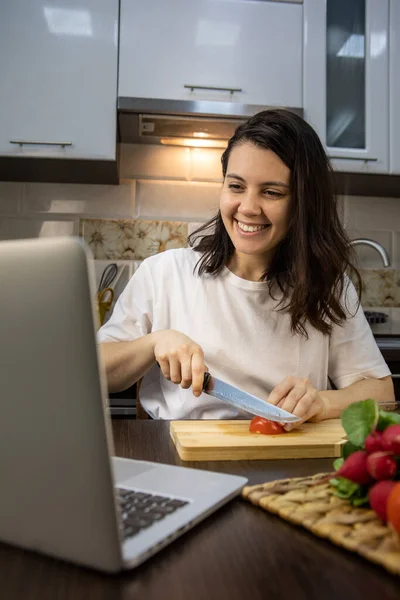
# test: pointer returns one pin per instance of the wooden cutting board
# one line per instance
(232, 440)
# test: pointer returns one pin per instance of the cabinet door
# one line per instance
(58, 66)
(254, 47)
(346, 83)
(394, 75)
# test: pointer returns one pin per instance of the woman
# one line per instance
(260, 299)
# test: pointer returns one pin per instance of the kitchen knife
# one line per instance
(224, 391)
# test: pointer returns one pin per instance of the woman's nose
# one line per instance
(249, 204)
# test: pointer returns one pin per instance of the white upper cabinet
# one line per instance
(58, 67)
(252, 48)
(394, 74)
(346, 80)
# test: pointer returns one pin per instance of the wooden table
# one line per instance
(239, 552)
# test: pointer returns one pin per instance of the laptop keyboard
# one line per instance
(141, 509)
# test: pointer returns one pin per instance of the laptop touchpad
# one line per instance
(124, 470)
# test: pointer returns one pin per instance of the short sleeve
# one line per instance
(353, 352)
(132, 317)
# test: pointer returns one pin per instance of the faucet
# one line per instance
(378, 247)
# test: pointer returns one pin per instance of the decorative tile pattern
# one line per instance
(132, 239)
(136, 239)
(380, 287)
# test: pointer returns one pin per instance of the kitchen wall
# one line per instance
(167, 183)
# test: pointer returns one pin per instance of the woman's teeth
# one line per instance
(250, 228)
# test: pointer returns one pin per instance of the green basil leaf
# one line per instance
(359, 419)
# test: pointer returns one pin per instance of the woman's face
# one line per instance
(255, 200)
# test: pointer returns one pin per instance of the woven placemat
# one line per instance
(310, 502)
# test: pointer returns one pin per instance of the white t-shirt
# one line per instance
(245, 340)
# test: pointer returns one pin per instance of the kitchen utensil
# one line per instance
(108, 276)
(104, 305)
(232, 440)
(224, 391)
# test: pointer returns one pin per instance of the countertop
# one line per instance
(238, 552)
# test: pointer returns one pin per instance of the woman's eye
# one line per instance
(235, 187)
(273, 194)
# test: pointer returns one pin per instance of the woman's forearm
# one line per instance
(126, 362)
(336, 401)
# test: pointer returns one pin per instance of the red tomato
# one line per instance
(261, 425)
(393, 508)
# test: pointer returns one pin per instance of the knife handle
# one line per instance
(206, 379)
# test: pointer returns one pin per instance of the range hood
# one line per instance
(211, 124)
(182, 122)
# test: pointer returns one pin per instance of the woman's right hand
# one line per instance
(181, 360)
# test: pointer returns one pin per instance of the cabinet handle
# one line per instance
(26, 143)
(353, 158)
(209, 87)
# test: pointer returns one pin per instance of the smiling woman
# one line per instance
(262, 299)
(255, 212)
(276, 165)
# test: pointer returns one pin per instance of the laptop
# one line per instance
(62, 491)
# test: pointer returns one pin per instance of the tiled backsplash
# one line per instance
(176, 200)
(380, 287)
(167, 184)
(377, 219)
(132, 239)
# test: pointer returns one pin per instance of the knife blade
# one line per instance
(224, 391)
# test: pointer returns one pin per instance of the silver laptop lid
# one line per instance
(56, 486)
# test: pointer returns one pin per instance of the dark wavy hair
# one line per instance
(310, 263)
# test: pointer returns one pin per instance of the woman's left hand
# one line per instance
(298, 396)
